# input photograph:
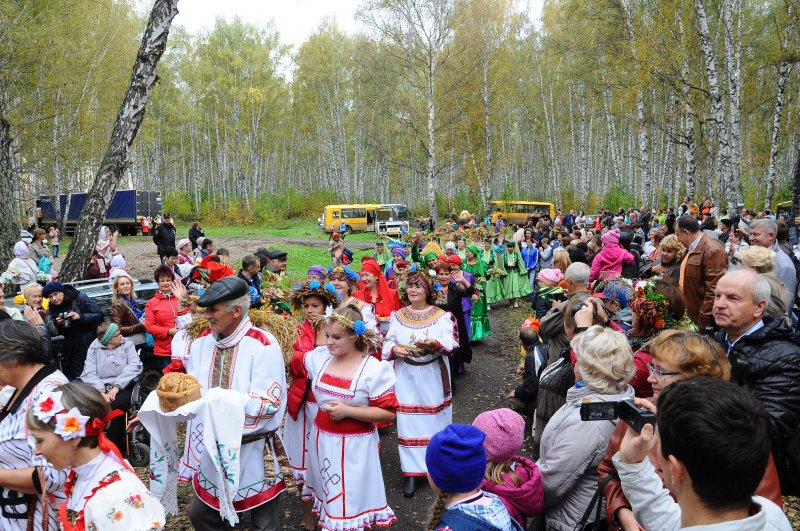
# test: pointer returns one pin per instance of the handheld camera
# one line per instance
(634, 416)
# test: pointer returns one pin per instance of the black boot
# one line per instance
(409, 486)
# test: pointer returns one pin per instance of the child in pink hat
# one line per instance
(512, 478)
(608, 262)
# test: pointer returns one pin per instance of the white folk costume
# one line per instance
(344, 476)
(423, 382)
(16, 452)
(106, 495)
(249, 361)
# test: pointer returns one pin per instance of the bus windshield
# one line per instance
(393, 212)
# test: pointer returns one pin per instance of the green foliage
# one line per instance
(618, 197)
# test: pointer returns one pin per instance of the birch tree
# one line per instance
(129, 118)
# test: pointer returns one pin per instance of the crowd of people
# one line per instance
(691, 317)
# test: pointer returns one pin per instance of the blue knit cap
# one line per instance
(52, 287)
(456, 459)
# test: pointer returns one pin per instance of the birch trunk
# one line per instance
(129, 118)
(733, 68)
(717, 111)
(9, 228)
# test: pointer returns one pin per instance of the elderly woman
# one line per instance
(125, 311)
(677, 355)
(668, 264)
(22, 270)
(571, 448)
(111, 365)
(76, 317)
(26, 373)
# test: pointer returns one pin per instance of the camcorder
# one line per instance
(65, 317)
(634, 416)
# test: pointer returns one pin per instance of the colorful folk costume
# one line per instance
(479, 316)
(17, 452)
(515, 282)
(352, 278)
(382, 255)
(302, 405)
(385, 300)
(494, 281)
(423, 380)
(344, 475)
(251, 362)
(497, 290)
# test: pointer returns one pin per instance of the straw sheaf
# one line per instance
(283, 327)
(187, 302)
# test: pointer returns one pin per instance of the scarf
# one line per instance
(134, 307)
(21, 250)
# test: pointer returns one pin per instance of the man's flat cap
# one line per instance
(277, 254)
(225, 289)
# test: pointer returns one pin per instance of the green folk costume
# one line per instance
(479, 316)
(515, 283)
(494, 285)
(382, 257)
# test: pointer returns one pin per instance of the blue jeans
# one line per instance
(54, 250)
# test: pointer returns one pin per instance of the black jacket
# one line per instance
(164, 237)
(529, 388)
(80, 333)
(767, 363)
(195, 233)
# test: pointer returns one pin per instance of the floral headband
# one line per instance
(73, 424)
(328, 293)
(359, 328)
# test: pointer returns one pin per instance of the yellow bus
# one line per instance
(518, 211)
(389, 219)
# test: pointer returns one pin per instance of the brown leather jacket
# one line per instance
(702, 268)
(122, 314)
(770, 486)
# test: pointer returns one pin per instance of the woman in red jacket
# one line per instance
(162, 311)
(377, 292)
(314, 300)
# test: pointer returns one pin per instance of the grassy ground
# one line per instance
(301, 257)
(292, 228)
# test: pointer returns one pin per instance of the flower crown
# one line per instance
(68, 424)
(328, 293)
(653, 308)
(359, 328)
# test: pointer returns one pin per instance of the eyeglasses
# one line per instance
(658, 373)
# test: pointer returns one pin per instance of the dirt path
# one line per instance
(484, 386)
(140, 254)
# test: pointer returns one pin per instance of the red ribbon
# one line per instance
(96, 427)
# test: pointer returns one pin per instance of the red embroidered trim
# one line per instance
(79, 524)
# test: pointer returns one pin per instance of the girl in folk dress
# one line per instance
(345, 280)
(106, 248)
(103, 492)
(420, 338)
(314, 299)
(354, 392)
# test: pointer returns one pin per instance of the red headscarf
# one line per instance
(387, 300)
(454, 259)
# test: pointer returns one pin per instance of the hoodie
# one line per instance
(608, 262)
(525, 500)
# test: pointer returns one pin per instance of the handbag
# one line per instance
(44, 265)
(596, 504)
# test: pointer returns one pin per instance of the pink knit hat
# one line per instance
(505, 431)
(610, 238)
(551, 277)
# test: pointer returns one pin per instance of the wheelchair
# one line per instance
(138, 439)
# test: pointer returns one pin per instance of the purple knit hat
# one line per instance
(505, 431)
(610, 238)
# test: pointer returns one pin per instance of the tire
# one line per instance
(348, 229)
(139, 456)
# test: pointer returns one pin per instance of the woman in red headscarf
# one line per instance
(102, 490)
(376, 291)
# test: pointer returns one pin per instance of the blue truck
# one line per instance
(125, 213)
